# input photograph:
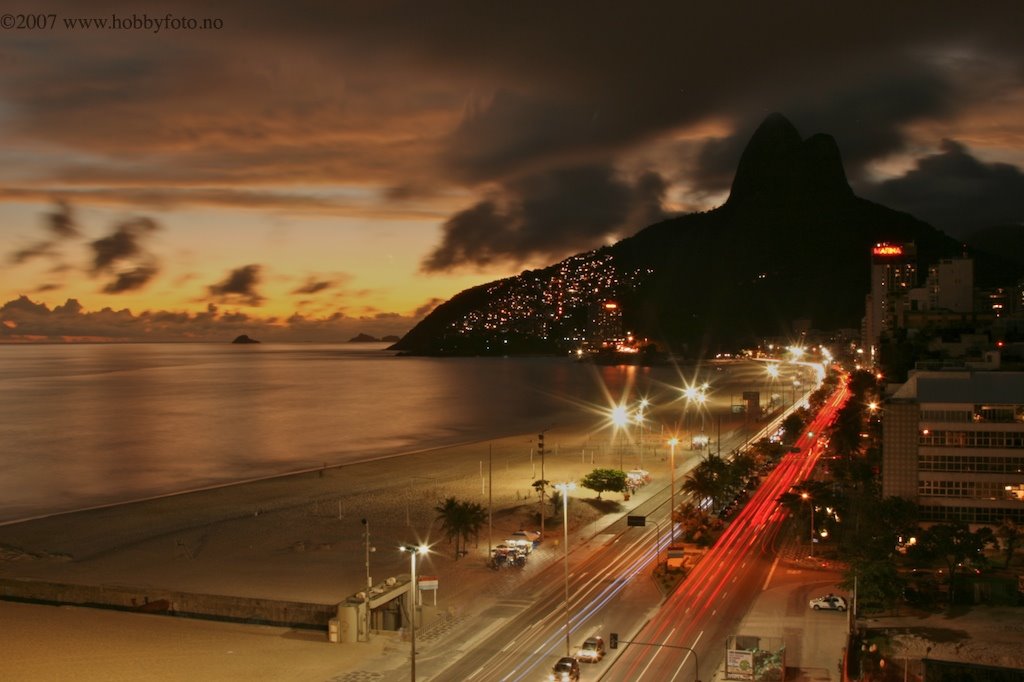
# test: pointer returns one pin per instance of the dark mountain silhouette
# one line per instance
(792, 242)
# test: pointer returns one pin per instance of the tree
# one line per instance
(448, 515)
(697, 524)
(708, 481)
(472, 518)
(460, 520)
(605, 480)
(1010, 534)
(954, 544)
(792, 425)
(876, 579)
(541, 486)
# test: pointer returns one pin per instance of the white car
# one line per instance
(829, 602)
(525, 546)
(528, 535)
(591, 651)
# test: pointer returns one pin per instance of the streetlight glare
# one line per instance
(620, 417)
(415, 549)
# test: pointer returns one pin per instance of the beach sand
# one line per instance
(301, 538)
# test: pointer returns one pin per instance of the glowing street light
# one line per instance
(639, 419)
(564, 488)
(672, 443)
(620, 418)
(413, 550)
(805, 496)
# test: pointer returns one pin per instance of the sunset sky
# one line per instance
(309, 171)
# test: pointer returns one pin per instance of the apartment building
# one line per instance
(953, 442)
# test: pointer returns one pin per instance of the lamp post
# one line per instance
(564, 488)
(672, 443)
(619, 421)
(702, 399)
(640, 423)
(369, 580)
(413, 550)
(773, 373)
(805, 496)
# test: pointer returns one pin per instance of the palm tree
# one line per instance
(448, 513)
(471, 519)
(708, 481)
(460, 521)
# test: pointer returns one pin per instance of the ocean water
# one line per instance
(85, 425)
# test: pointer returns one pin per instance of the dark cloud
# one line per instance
(313, 286)
(61, 224)
(956, 192)
(239, 286)
(123, 244)
(123, 256)
(549, 215)
(33, 251)
(427, 307)
(130, 280)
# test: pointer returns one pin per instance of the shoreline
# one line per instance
(258, 479)
(297, 536)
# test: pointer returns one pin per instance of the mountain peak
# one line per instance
(777, 166)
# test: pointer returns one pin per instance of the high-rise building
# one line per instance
(893, 275)
(951, 285)
(605, 323)
(953, 442)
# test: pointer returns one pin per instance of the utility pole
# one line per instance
(369, 580)
(543, 482)
(490, 500)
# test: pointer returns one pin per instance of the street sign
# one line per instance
(636, 520)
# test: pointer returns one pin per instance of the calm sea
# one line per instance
(83, 425)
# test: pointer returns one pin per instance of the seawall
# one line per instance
(183, 604)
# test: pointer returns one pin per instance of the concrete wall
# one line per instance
(146, 600)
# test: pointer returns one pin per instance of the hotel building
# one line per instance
(953, 442)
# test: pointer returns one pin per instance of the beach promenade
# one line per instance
(299, 538)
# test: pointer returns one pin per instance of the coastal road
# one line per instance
(604, 594)
(708, 606)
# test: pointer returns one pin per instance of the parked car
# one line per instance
(529, 535)
(520, 544)
(591, 651)
(566, 670)
(638, 477)
(830, 602)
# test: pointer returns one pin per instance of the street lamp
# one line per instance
(369, 580)
(564, 488)
(413, 550)
(807, 498)
(702, 399)
(639, 419)
(672, 443)
(619, 419)
(773, 373)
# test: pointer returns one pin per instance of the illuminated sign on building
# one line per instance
(887, 250)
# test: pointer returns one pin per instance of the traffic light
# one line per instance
(613, 640)
(540, 443)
